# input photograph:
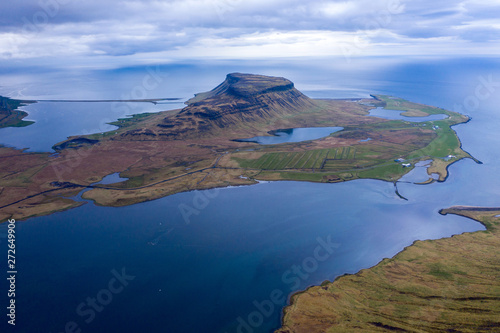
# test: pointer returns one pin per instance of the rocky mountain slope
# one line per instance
(241, 100)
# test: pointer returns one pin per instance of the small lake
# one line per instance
(293, 135)
(111, 179)
(396, 115)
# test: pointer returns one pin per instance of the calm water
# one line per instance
(293, 135)
(396, 115)
(212, 261)
(111, 179)
(214, 265)
(55, 121)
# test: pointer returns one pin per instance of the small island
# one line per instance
(201, 147)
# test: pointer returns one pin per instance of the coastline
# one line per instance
(10, 113)
(219, 165)
(416, 279)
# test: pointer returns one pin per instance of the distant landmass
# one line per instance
(10, 116)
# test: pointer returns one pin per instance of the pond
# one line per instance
(396, 115)
(293, 135)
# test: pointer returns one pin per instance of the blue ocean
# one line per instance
(232, 265)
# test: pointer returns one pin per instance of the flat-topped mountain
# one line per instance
(245, 85)
(241, 100)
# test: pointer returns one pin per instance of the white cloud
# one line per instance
(337, 9)
(115, 31)
(487, 24)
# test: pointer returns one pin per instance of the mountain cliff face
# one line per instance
(241, 100)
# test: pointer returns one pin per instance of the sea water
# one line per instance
(231, 264)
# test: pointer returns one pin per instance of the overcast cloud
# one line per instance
(90, 33)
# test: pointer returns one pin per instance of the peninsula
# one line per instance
(200, 147)
(10, 116)
(445, 285)
(431, 286)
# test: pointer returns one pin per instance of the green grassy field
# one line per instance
(390, 140)
(447, 143)
(132, 120)
(314, 159)
(315, 164)
(10, 116)
(395, 103)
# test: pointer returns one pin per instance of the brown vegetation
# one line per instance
(193, 148)
(445, 285)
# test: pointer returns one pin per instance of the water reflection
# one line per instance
(293, 135)
(396, 115)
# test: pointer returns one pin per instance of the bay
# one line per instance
(216, 265)
(56, 121)
(218, 269)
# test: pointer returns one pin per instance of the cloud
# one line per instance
(89, 31)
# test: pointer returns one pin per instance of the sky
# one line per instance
(106, 34)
